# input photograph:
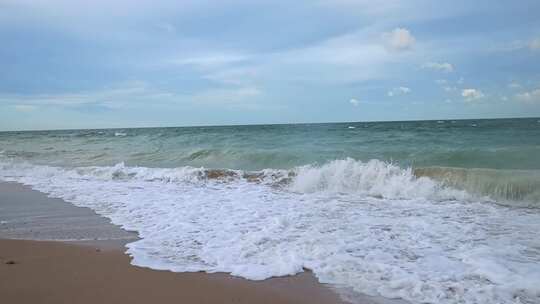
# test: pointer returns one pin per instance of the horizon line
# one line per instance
(268, 124)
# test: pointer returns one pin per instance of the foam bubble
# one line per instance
(340, 220)
(373, 178)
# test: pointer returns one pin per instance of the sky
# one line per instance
(97, 64)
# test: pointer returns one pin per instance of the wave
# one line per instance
(374, 178)
(369, 226)
(519, 188)
(513, 187)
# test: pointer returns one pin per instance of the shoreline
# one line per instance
(29, 214)
(58, 272)
(96, 269)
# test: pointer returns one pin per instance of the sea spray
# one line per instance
(373, 178)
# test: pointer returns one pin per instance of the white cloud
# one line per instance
(354, 102)
(135, 94)
(118, 96)
(405, 90)
(441, 81)
(516, 45)
(449, 89)
(439, 66)
(239, 76)
(445, 85)
(399, 39)
(352, 57)
(25, 108)
(398, 91)
(529, 97)
(514, 85)
(240, 97)
(211, 60)
(534, 44)
(472, 94)
(166, 27)
(356, 49)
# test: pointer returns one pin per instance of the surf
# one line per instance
(370, 227)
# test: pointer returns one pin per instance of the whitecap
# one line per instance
(370, 227)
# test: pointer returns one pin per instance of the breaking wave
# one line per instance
(374, 178)
(371, 227)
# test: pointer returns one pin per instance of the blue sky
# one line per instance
(93, 64)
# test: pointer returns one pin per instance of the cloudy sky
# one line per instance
(91, 64)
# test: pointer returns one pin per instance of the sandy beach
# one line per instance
(55, 272)
(99, 272)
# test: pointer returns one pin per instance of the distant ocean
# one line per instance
(427, 211)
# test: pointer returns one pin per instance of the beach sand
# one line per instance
(56, 272)
(99, 272)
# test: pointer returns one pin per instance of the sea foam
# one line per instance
(372, 227)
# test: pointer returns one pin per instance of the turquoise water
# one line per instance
(426, 211)
(495, 144)
(437, 149)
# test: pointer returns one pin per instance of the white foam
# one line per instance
(370, 227)
(374, 178)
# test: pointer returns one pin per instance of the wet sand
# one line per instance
(98, 271)
(29, 214)
(56, 272)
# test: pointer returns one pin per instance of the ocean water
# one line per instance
(428, 211)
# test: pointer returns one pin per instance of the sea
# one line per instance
(441, 211)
